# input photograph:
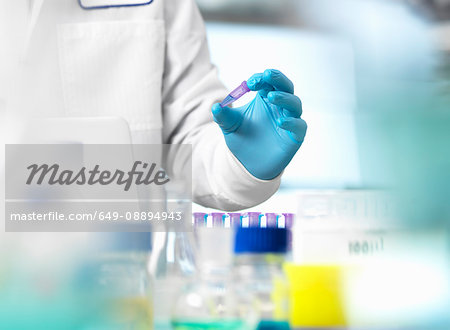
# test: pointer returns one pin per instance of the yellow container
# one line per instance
(317, 295)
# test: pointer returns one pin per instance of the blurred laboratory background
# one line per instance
(362, 214)
(374, 79)
(349, 60)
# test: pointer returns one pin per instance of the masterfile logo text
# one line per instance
(54, 176)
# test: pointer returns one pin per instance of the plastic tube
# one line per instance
(288, 224)
(199, 219)
(235, 220)
(271, 220)
(288, 220)
(237, 93)
(217, 219)
(254, 219)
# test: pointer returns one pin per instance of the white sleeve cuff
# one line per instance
(220, 180)
(237, 184)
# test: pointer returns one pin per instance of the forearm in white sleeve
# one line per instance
(190, 87)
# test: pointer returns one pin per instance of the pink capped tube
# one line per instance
(271, 220)
(218, 219)
(288, 220)
(199, 219)
(235, 94)
(288, 224)
(235, 220)
(254, 219)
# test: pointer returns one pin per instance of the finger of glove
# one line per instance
(287, 101)
(278, 80)
(257, 83)
(227, 118)
(296, 126)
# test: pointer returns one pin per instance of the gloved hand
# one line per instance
(266, 133)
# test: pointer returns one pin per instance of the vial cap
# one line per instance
(261, 240)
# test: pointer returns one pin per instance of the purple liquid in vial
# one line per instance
(235, 94)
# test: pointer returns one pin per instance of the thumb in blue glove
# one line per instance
(265, 134)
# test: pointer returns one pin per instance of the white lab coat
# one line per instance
(148, 64)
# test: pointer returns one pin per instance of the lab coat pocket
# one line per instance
(113, 69)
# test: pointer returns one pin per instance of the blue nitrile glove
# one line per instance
(267, 132)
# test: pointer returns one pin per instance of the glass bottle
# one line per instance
(209, 300)
(262, 286)
(172, 263)
(117, 281)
